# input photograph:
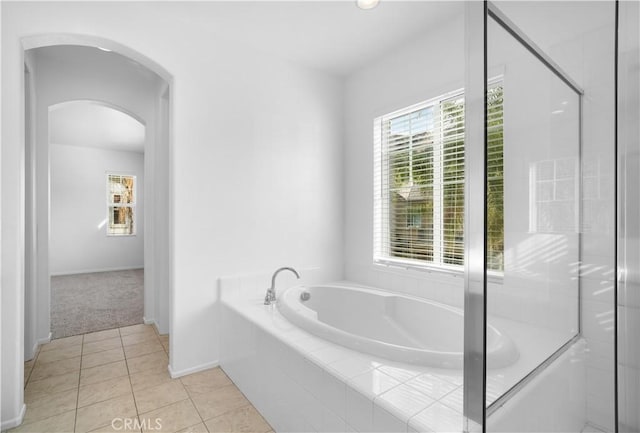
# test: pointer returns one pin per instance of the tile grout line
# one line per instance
(35, 358)
(128, 374)
(189, 397)
(75, 419)
(221, 414)
(133, 395)
(29, 380)
(167, 405)
(194, 404)
(79, 372)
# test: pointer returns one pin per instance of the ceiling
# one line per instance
(88, 123)
(334, 36)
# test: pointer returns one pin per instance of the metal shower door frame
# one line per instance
(477, 15)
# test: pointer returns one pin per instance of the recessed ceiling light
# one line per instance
(104, 49)
(367, 4)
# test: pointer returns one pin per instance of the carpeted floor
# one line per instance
(85, 303)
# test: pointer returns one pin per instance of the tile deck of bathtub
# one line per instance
(423, 398)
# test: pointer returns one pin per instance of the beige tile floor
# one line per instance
(117, 380)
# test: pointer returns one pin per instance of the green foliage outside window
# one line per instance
(413, 151)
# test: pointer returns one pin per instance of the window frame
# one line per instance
(381, 229)
(381, 195)
(111, 204)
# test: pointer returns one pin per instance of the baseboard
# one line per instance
(201, 367)
(45, 340)
(36, 345)
(597, 427)
(92, 271)
(33, 352)
(151, 322)
(15, 422)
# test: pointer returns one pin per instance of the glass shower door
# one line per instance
(533, 206)
(548, 228)
(540, 252)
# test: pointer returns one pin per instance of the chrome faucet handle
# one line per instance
(268, 298)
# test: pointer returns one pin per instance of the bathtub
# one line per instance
(395, 327)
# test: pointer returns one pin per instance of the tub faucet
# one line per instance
(270, 297)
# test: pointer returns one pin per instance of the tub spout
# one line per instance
(270, 297)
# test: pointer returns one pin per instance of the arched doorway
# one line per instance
(97, 216)
(83, 81)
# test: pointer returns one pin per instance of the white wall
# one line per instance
(257, 182)
(31, 325)
(256, 160)
(79, 241)
(80, 73)
(56, 80)
(429, 66)
(409, 76)
(158, 246)
(579, 36)
(403, 78)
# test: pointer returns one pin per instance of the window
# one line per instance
(419, 183)
(121, 205)
(554, 196)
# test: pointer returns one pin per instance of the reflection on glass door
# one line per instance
(533, 210)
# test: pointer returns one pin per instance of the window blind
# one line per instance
(419, 182)
(495, 178)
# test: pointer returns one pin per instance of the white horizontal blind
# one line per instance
(495, 178)
(419, 183)
(453, 180)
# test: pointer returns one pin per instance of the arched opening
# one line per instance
(97, 208)
(86, 94)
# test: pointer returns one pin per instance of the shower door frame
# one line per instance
(475, 259)
(477, 15)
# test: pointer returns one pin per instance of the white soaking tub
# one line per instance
(395, 327)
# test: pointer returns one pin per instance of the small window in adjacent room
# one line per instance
(121, 204)
(419, 183)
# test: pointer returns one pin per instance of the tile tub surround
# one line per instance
(327, 387)
(81, 383)
(303, 383)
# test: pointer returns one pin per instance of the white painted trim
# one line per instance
(37, 344)
(45, 340)
(50, 39)
(14, 422)
(33, 352)
(91, 271)
(151, 322)
(201, 367)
